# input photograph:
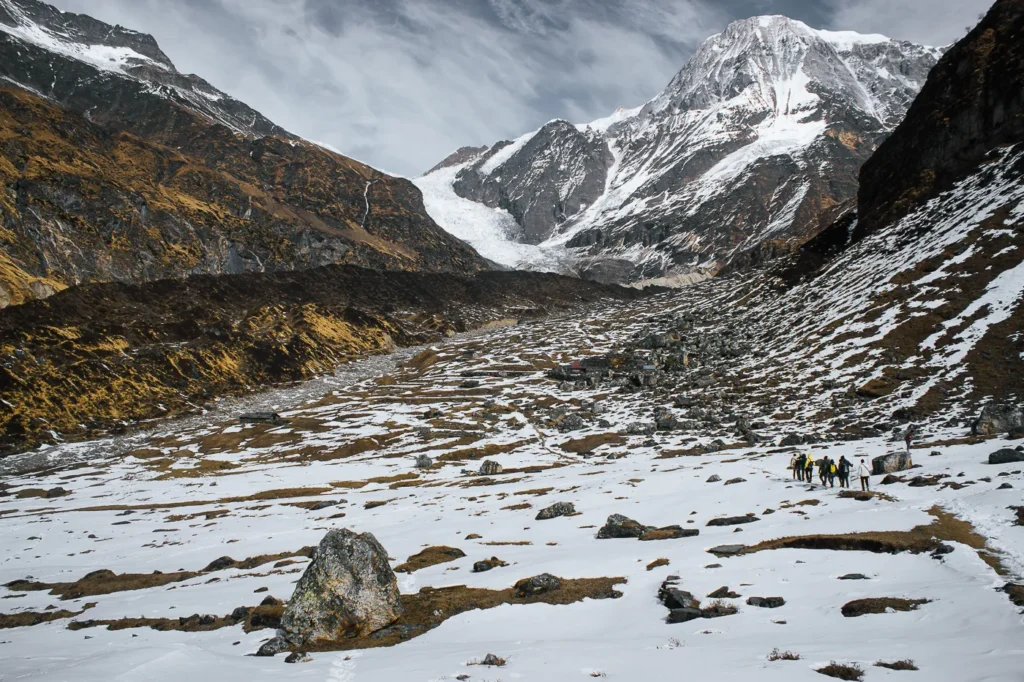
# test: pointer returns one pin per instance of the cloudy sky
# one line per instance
(400, 84)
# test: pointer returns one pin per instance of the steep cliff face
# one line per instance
(126, 170)
(755, 140)
(972, 103)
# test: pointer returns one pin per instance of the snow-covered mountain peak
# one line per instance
(70, 58)
(760, 133)
(112, 48)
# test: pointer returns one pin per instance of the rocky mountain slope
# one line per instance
(752, 147)
(114, 166)
(915, 302)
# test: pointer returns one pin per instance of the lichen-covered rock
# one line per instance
(998, 418)
(489, 468)
(347, 590)
(537, 585)
(619, 526)
(892, 462)
(556, 510)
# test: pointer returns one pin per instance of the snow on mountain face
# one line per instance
(760, 134)
(67, 57)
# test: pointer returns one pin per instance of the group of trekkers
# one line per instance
(829, 470)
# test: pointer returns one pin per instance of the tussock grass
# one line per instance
(843, 671)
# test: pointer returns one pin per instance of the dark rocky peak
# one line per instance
(460, 156)
(972, 103)
(541, 179)
(88, 35)
(119, 77)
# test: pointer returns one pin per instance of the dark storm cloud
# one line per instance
(401, 83)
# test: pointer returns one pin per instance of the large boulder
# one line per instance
(490, 468)
(619, 526)
(892, 462)
(348, 590)
(1006, 456)
(998, 418)
(556, 510)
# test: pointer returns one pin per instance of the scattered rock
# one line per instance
(424, 462)
(489, 468)
(272, 647)
(619, 526)
(684, 614)
(324, 504)
(348, 589)
(556, 510)
(491, 659)
(727, 550)
(854, 576)
(538, 584)
(470, 383)
(488, 564)
(732, 520)
(723, 593)
(731, 481)
(298, 657)
(1006, 456)
(571, 422)
(1004, 486)
(56, 492)
(220, 564)
(714, 478)
(766, 602)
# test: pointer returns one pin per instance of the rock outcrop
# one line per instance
(348, 590)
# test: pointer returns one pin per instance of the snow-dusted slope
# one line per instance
(69, 58)
(758, 136)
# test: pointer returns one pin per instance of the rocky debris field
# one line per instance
(101, 358)
(604, 494)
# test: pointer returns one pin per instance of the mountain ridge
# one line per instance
(127, 170)
(768, 102)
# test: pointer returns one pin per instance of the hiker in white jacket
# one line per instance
(865, 473)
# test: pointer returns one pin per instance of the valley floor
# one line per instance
(192, 493)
